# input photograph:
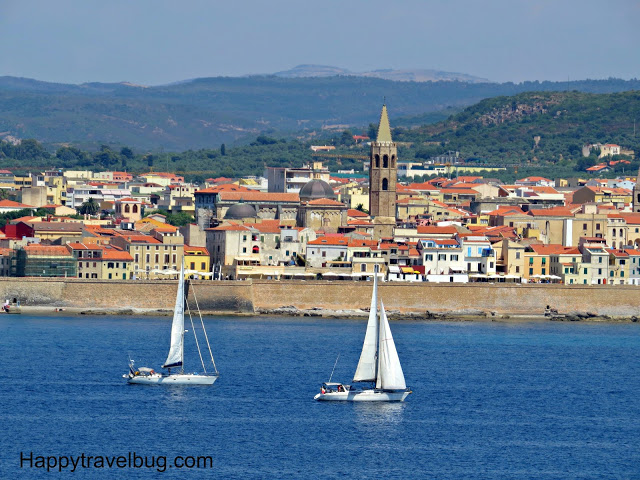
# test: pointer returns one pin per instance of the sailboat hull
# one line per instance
(363, 396)
(173, 379)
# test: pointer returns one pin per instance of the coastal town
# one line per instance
(309, 223)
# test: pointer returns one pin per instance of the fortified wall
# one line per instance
(259, 295)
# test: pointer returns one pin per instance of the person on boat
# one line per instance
(322, 390)
(340, 388)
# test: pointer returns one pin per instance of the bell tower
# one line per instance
(636, 195)
(383, 174)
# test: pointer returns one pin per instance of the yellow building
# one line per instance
(197, 260)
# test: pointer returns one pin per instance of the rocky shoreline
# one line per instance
(395, 315)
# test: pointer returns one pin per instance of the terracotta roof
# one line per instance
(460, 191)
(188, 249)
(325, 201)
(422, 186)
(618, 253)
(503, 211)
(253, 196)
(266, 226)
(141, 239)
(339, 241)
(12, 204)
(352, 212)
(225, 187)
(229, 227)
(431, 229)
(631, 218)
(47, 250)
(551, 212)
(554, 249)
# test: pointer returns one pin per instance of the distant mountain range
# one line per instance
(205, 112)
(407, 75)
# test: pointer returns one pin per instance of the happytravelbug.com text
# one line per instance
(73, 463)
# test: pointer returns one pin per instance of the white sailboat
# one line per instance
(379, 364)
(175, 358)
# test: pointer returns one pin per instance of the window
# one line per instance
(202, 265)
(324, 253)
(585, 271)
(454, 258)
(428, 257)
(193, 266)
(517, 255)
(531, 271)
(385, 184)
(597, 226)
(530, 260)
(613, 232)
(544, 261)
(622, 273)
(244, 249)
(584, 226)
(611, 273)
(517, 269)
(363, 267)
(544, 271)
(385, 161)
(442, 256)
(599, 259)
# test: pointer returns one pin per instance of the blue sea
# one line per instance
(490, 400)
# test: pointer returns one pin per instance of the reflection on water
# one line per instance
(379, 413)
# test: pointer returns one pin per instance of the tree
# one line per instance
(90, 207)
(361, 208)
(346, 138)
(223, 150)
(126, 152)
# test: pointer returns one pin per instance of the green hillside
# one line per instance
(540, 132)
(534, 128)
(206, 112)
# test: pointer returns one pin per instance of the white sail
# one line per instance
(390, 376)
(174, 359)
(367, 366)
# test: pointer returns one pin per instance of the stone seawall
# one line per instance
(263, 295)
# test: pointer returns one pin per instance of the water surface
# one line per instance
(491, 400)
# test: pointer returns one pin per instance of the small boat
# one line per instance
(175, 358)
(379, 365)
(12, 307)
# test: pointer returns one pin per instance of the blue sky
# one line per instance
(157, 41)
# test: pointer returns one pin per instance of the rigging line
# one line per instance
(203, 329)
(334, 368)
(195, 336)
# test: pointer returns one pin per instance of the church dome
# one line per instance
(316, 189)
(241, 210)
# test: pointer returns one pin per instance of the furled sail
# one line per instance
(390, 376)
(174, 359)
(367, 366)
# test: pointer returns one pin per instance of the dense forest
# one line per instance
(536, 132)
(206, 112)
